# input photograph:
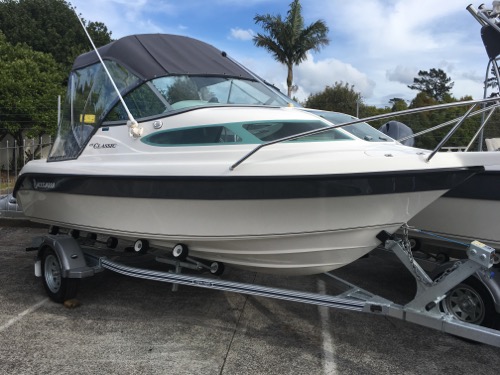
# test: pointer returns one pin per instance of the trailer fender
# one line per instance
(69, 253)
(491, 281)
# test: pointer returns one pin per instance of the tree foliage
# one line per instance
(49, 26)
(29, 86)
(288, 40)
(339, 98)
(398, 104)
(435, 83)
(39, 39)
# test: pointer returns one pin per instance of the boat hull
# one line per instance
(279, 236)
(466, 213)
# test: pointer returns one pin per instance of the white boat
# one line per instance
(211, 164)
(470, 211)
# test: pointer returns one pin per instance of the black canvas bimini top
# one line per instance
(154, 55)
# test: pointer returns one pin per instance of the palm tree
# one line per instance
(288, 40)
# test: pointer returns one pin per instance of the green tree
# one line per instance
(99, 33)
(339, 98)
(288, 40)
(49, 26)
(434, 83)
(29, 86)
(429, 119)
(398, 104)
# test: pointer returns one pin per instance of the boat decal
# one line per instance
(43, 185)
(97, 146)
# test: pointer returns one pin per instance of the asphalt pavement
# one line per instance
(132, 326)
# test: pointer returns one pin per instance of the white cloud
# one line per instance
(313, 76)
(376, 45)
(390, 41)
(125, 17)
(241, 34)
(402, 74)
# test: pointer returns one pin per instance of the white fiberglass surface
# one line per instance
(300, 236)
(234, 218)
(473, 219)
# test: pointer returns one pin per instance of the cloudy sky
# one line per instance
(376, 45)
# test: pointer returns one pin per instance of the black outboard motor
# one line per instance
(398, 130)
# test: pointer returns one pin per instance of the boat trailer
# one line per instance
(61, 261)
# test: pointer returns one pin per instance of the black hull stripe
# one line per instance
(244, 188)
(481, 186)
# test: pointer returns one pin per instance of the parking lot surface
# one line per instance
(132, 326)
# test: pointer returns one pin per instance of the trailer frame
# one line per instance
(77, 261)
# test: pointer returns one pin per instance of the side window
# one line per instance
(206, 135)
(272, 131)
(142, 102)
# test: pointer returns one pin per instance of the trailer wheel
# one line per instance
(141, 246)
(112, 242)
(53, 229)
(216, 268)
(58, 288)
(415, 244)
(180, 251)
(442, 258)
(471, 302)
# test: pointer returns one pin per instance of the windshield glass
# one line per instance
(89, 97)
(361, 130)
(172, 93)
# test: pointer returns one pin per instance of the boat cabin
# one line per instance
(161, 75)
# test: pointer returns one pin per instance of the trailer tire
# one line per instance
(112, 242)
(180, 251)
(141, 246)
(442, 258)
(415, 243)
(471, 302)
(217, 268)
(53, 229)
(58, 288)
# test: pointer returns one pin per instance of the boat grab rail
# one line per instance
(460, 120)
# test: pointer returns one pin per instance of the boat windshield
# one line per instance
(90, 96)
(91, 100)
(171, 94)
(361, 130)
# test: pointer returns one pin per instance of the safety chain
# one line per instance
(407, 248)
(447, 272)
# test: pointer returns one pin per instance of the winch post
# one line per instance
(430, 293)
